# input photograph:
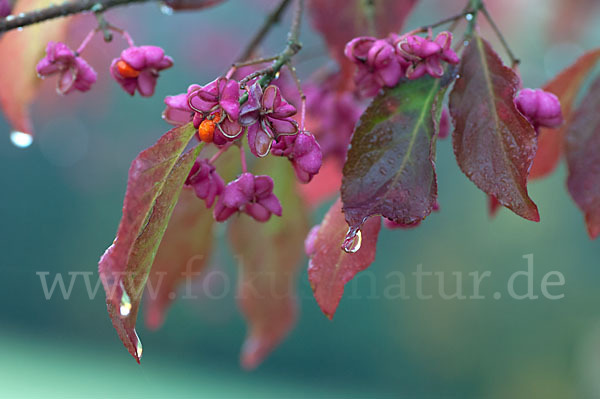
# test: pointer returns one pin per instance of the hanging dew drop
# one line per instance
(138, 346)
(21, 139)
(469, 17)
(353, 240)
(125, 307)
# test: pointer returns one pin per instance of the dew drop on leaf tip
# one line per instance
(21, 139)
(138, 345)
(353, 240)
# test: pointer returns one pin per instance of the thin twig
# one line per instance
(254, 62)
(271, 20)
(62, 10)
(302, 95)
(444, 21)
(515, 61)
(475, 6)
(291, 49)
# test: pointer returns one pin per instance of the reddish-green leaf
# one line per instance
(155, 180)
(269, 255)
(330, 267)
(20, 52)
(183, 254)
(390, 168)
(493, 143)
(565, 85)
(340, 21)
(583, 158)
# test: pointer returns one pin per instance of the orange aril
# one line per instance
(126, 70)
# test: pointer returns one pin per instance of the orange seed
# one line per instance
(126, 70)
(206, 130)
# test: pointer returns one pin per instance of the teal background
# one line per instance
(61, 203)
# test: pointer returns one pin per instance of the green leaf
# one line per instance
(390, 169)
(155, 180)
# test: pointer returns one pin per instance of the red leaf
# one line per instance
(583, 158)
(493, 143)
(340, 21)
(269, 255)
(155, 180)
(183, 253)
(20, 52)
(493, 206)
(330, 267)
(325, 185)
(565, 85)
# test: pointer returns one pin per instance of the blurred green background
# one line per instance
(61, 203)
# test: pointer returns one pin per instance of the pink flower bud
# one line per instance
(540, 107)
(377, 63)
(74, 73)
(304, 153)
(139, 67)
(206, 181)
(250, 194)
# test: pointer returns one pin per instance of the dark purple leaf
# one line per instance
(390, 168)
(493, 143)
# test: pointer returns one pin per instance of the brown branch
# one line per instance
(62, 10)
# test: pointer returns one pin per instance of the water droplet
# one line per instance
(10, 18)
(469, 17)
(353, 240)
(21, 139)
(125, 307)
(466, 43)
(21, 15)
(166, 10)
(138, 345)
(277, 75)
(20, 29)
